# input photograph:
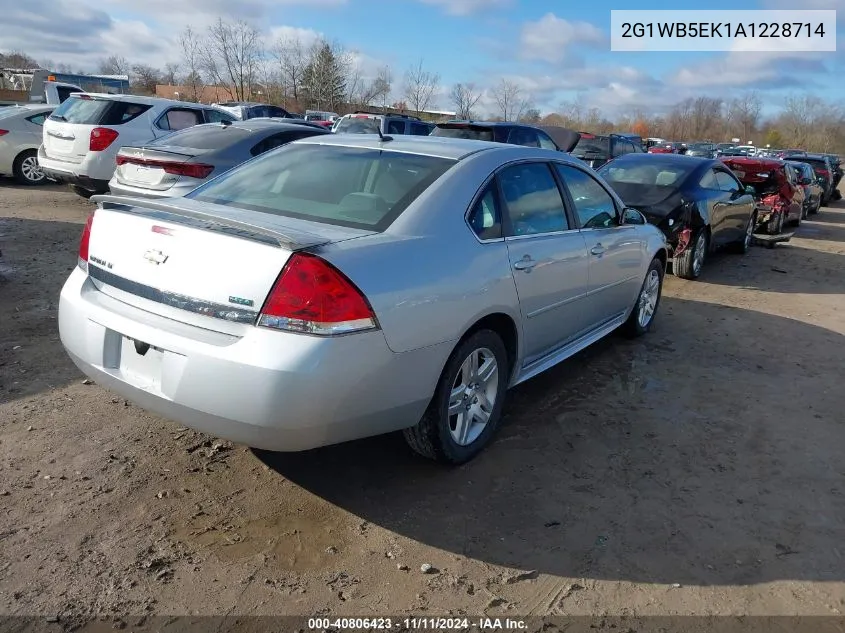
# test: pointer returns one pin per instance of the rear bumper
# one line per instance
(71, 173)
(119, 189)
(267, 389)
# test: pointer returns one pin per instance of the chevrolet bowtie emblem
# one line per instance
(155, 257)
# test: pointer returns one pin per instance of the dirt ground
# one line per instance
(698, 470)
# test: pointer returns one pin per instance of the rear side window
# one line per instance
(473, 133)
(205, 137)
(218, 116)
(367, 189)
(533, 199)
(486, 216)
(395, 126)
(38, 119)
(420, 129)
(277, 140)
(89, 111)
(179, 119)
(358, 125)
(546, 142)
(524, 136)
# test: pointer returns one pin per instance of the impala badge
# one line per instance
(155, 257)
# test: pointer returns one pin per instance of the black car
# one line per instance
(697, 203)
(244, 110)
(701, 150)
(598, 149)
(546, 136)
(824, 170)
(836, 162)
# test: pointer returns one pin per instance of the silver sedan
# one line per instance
(345, 286)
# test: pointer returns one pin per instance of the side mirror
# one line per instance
(632, 216)
(749, 190)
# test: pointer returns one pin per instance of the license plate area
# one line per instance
(142, 173)
(141, 363)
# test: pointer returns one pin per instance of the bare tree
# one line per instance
(383, 85)
(464, 97)
(744, 114)
(170, 74)
(232, 53)
(145, 79)
(510, 100)
(115, 65)
(420, 86)
(192, 46)
(18, 60)
(292, 58)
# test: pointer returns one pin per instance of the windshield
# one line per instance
(591, 146)
(88, 111)
(359, 125)
(473, 133)
(368, 188)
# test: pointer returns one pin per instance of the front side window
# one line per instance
(368, 188)
(395, 126)
(533, 199)
(708, 181)
(593, 204)
(356, 124)
(218, 116)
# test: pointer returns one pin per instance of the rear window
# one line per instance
(211, 136)
(368, 188)
(464, 131)
(359, 125)
(587, 147)
(649, 173)
(90, 111)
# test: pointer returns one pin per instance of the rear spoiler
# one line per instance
(172, 211)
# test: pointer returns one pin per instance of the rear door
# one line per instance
(548, 258)
(615, 250)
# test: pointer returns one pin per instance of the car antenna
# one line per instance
(382, 137)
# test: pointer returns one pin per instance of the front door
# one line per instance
(615, 250)
(548, 259)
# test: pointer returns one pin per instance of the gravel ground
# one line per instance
(697, 470)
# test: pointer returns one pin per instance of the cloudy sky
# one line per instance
(556, 50)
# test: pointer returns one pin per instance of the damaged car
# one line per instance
(775, 185)
(697, 203)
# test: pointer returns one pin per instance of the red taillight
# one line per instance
(101, 138)
(3, 132)
(823, 172)
(313, 297)
(83, 243)
(192, 170)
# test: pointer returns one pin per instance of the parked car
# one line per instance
(836, 163)
(652, 141)
(326, 119)
(721, 148)
(812, 188)
(551, 137)
(597, 149)
(20, 136)
(701, 150)
(786, 153)
(779, 196)
(407, 291)
(243, 110)
(361, 122)
(668, 148)
(733, 151)
(697, 203)
(83, 135)
(824, 170)
(175, 164)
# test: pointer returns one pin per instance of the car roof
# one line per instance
(263, 123)
(438, 146)
(663, 159)
(28, 108)
(814, 156)
(136, 99)
(484, 123)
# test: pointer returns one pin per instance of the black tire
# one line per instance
(81, 191)
(816, 208)
(775, 226)
(836, 195)
(632, 326)
(684, 266)
(22, 169)
(432, 437)
(743, 244)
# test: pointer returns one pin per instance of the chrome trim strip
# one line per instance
(182, 302)
(590, 293)
(545, 309)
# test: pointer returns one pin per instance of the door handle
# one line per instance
(526, 264)
(598, 249)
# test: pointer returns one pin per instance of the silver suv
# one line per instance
(361, 122)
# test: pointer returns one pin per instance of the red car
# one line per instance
(779, 195)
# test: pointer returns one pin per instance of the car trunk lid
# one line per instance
(159, 168)
(203, 264)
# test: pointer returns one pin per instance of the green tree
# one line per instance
(324, 79)
(774, 138)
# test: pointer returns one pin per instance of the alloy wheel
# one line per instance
(699, 253)
(648, 298)
(473, 396)
(31, 170)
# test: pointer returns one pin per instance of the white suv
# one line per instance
(83, 135)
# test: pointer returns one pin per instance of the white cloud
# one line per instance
(467, 7)
(549, 38)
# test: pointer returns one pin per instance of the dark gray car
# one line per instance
(173, 165)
